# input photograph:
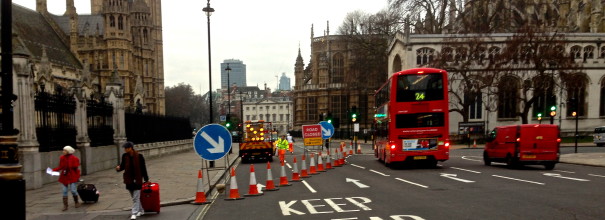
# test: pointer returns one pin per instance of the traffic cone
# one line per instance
(283, 179)
(295, 175)
(342, 159)
(320, 164)
(253, 189)
(337, 158)
(474, 143)
(359, 149)
(328, 161)
(351, 149)
(303, 169)
(200, 195)
(270, 184)
(312, 167)
(233, 191)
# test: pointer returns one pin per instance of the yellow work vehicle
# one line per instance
(257, 141)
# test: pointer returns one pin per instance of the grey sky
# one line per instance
(264, 34)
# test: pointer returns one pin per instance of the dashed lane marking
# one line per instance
(379, 173)
(472, 171)
(527, 181)
(413, 183)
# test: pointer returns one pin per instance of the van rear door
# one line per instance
(538, 142)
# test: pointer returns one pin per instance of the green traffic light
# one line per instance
(553, 108)
(539, 114)
(330, 121)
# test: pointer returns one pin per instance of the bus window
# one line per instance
(414, 88)
(419, 120)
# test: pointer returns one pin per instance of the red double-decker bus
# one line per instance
(411, 123)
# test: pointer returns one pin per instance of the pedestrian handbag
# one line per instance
(150, 197)
(88, 193)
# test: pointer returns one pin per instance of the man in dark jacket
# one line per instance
(135, 171)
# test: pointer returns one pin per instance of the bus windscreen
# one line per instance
(419, 87)
(419, 120)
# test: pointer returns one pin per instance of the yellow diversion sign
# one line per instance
(313, 141)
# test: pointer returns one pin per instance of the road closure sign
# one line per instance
(312, 135)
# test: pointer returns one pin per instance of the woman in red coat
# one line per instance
(70, 174)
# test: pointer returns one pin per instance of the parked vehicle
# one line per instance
(257, 141)
(599, 136)
(524, 144)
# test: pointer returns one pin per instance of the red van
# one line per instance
(523, 144)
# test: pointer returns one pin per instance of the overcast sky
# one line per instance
(264, 34)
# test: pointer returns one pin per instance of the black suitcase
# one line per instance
(88, 193)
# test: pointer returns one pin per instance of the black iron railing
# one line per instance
(99, 116)
(55, 121)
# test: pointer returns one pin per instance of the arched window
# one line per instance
(508, 92)
(544, 93)
(494, 52)
(602, 99)
(588, 53)
(338, 65)
(120, 23)
(448, 54)
(576, 52)
(576, 89)
(424, 56)
(461, 54)
(145, 37)
(476, 107)
(112, 21)
(397, 63)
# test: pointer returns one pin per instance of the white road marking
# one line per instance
(564, 177)
(467, 158)
(357, 166)
(453, 176)
(379, 173)
(527, 181)
(288, 164)
(413, 183)
(356, 182)
(309, 186)
(564, 171)
(472, 171)
(596, 175)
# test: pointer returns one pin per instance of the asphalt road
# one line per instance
(460, 188)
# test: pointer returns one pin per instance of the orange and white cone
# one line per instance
(320, 164)
(283, 179)
(351, 149)
(253, 190)
(312, 168)
(200, 195)
(270, 184)
(233, 190)
(303, 169)
(359, 149)
(336, 158)
(328, 161)
(474, 143)
(342, 159)
(295, 175)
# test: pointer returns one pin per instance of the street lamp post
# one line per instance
(12, 184)
(228, 69)
(208, 10)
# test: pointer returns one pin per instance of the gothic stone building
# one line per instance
(122, 36)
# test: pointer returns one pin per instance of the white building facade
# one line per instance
(277, 110)
(586, 49)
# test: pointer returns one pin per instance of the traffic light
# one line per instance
(228, 123)
(354, 114)
(539, 116)
(573, 107)
(329, 118)
(553, 111)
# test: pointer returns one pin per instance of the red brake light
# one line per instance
(518, 139)
(393, 147)
(447, 144)
(558, 140)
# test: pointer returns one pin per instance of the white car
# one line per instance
(599, 136)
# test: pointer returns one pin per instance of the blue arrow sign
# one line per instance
(212, 142)
(327, 129)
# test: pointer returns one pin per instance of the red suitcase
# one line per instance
(150, 197)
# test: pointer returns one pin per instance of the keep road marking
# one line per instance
(527, 181)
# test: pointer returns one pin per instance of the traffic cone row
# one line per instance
(338, 160)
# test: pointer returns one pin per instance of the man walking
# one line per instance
(282, 146)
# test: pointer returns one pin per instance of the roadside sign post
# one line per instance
(327, 131)
(212, 142)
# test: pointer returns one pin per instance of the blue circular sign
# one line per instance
(327, 129)
(212, 142)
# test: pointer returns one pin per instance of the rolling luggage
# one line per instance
(88, 193)
(150, 197)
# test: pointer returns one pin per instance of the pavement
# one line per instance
(177, 175)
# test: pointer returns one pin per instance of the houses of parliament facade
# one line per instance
(120, 40)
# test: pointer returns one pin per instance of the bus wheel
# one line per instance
(486, 159)
(549, 166)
